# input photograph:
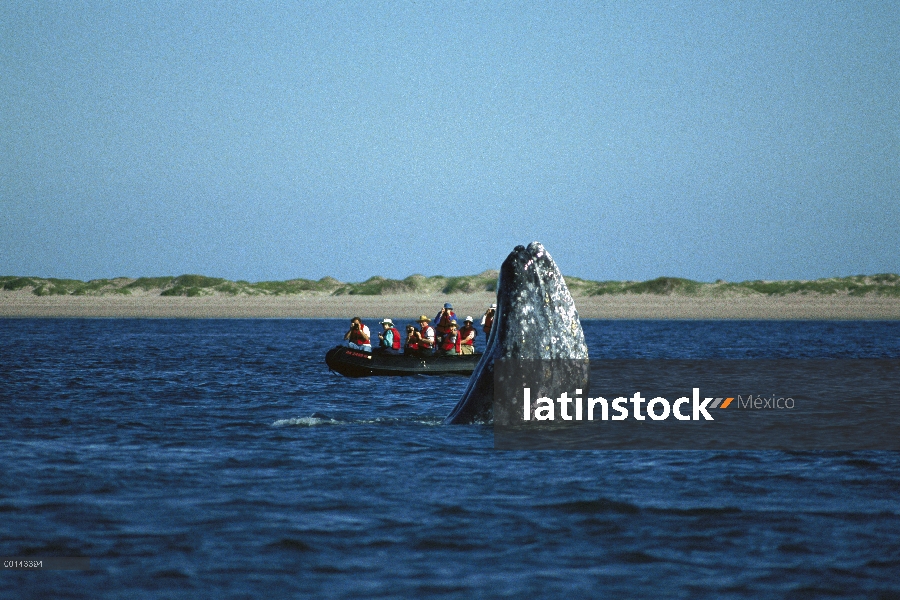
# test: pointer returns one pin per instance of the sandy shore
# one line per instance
(408, 306)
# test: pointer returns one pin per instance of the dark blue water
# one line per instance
(183, 457)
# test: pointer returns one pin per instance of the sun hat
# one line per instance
(387, 322)
(494, 305)
(447, 305)
(423, 318)
(469, 320)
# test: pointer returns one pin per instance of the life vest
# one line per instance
(464, 333)
(396, 344)
(488, 321)
(450, 341)
(426, 343)
(365, 330)
(443, 324)
(412, 346)
(358, 337)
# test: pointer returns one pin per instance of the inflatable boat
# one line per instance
(356, 363)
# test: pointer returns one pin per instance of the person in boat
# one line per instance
(389, 341)
(488, 319)
(427, 341)
(450, 341)
(443, 318)
(413, 340)
(363, 326)
(467, 337)
(358, 337)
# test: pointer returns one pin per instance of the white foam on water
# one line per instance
(316, 421)
(305, 422)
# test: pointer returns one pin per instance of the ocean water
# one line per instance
(221, 458)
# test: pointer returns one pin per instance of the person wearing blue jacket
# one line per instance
(443, 318)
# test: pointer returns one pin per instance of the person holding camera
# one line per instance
(358, 337)
(487, 320)
(443, 319)
(413, 340)
(389, 341)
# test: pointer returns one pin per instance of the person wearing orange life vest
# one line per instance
(358, 337)
(389, 341)
(467, 337)
(450, 341)
(412, 340)
(443, 318)
(427, 343)
(487, 321)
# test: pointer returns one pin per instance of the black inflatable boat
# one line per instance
(356, 363)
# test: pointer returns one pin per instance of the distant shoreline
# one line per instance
(196, 286)
(407, 306)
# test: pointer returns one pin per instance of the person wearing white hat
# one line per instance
(488, 319)
(467, 337)
(389, 341)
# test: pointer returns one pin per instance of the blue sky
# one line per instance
(277, 140)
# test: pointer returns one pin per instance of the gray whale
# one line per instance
(535, 320)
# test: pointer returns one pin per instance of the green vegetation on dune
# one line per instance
(858, 285)
(661, 286)
(293, 286)
(195, 285)
(61, 287)
(16, 283)
(467, 285)
(885, 284)
(149, 283)
(419, 284)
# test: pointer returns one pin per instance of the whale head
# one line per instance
(535, 319)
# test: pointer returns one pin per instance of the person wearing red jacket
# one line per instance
(427, 343)
(450, 341)
(467, 337)
(413, 340)
(358, 336)
(443, 318)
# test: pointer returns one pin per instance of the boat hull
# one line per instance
(356, 363)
